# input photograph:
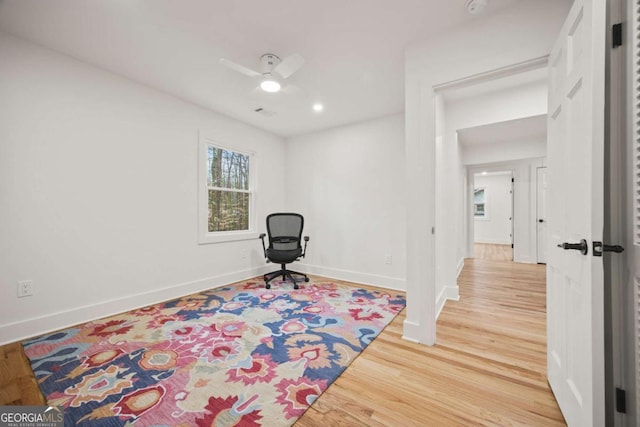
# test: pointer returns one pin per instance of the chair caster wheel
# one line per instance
(306, 279)
(296, 286)
(267, 286)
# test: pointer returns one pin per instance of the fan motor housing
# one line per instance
(268, 62)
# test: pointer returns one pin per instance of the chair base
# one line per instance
(286, 274)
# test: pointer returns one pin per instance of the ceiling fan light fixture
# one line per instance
(475, 7)
(270, 85)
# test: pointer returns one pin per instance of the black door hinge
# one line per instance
(616, 35)
(621, 401)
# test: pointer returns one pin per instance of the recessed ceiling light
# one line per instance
(317, 107)
(484, 173)
(270, 85)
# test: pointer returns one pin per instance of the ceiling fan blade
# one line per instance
(240, 68)
(289, 65)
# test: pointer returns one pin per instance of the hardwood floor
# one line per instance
(488, 367)
(18, 386)
(493, 252)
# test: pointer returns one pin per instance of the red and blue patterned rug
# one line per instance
(239, 355)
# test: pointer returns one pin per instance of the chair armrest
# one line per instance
(264, 249)
(304, 251)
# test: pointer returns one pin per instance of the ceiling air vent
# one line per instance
(263, 112)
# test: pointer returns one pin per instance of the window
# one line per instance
(226, 194)
(480, 203)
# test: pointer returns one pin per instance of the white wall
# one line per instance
(503, 105)
(495, 226)
(504, 151)
(349, 183)
(99, 192)
(520, 33)
(449, 207)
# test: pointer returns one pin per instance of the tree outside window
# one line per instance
(229, 190)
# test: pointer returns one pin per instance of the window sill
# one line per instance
(227, 236)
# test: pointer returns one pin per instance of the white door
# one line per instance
(575, 318)
(541, 214)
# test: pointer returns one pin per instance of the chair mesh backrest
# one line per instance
(285, 230)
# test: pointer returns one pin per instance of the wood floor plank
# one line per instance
(493, 251)
(488, 367)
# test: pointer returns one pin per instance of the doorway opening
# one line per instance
(493, 215)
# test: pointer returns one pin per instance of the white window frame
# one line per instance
(204, 235)
(485, 217)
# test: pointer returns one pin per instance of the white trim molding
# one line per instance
(18, 331)
(447, 293)
(497, 73)
(411, 329)
(204, 235)
(459, 267)
(386, 282)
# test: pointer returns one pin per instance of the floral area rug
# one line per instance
(239, 355)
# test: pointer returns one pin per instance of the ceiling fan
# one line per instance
(273, 70)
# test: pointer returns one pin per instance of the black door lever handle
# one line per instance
(583, 247)
(612, 248)
(599, 248)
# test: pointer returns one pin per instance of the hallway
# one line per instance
(488, 367)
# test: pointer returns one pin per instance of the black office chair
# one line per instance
(285, 231)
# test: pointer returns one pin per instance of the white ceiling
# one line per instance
(354, 49)
(525, 129)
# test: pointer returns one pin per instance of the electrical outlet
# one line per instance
(25, 288)
(388, 259)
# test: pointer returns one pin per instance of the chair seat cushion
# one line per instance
(283, 256)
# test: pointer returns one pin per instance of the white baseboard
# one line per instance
(414, 332)
(494, 242)
(356, 277)
(447, 293)
(17, 331)
(440, 301)
(459, 267)
(525, 260)
(406, 338)
(410, 329)
(27, 328)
